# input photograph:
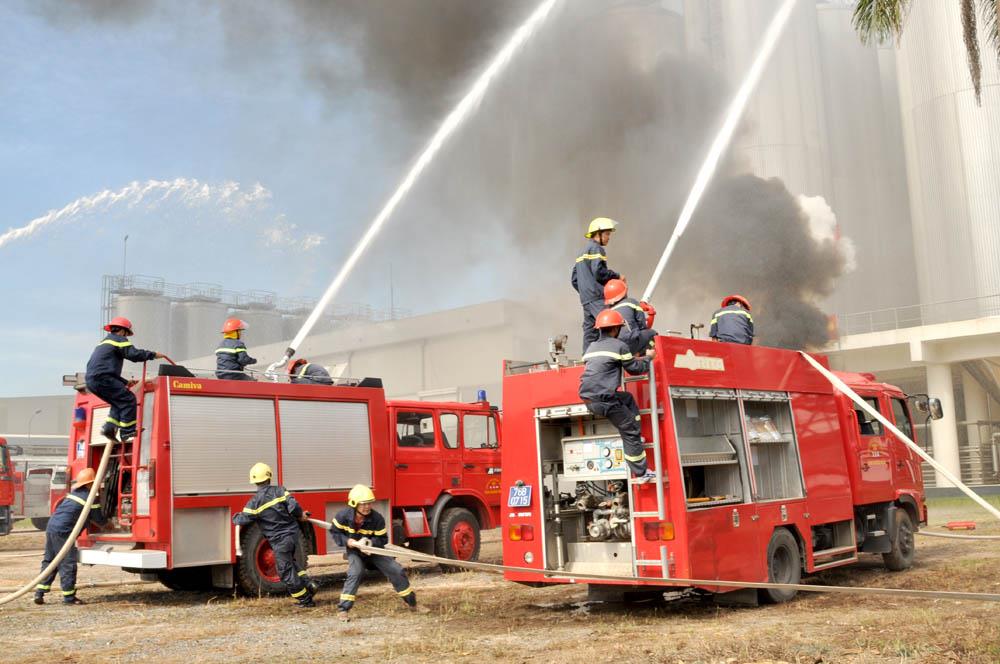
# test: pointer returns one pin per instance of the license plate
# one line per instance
(520, 496)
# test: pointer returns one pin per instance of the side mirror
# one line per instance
(934, 408)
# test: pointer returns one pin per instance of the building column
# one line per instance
(976, 410)
(944, 432)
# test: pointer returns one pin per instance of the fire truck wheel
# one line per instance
(186, 579)
(457, 537)
(6, 522)
(256, 570)
(40, 522)
(783, 566)
(901, 556)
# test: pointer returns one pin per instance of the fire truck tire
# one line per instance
(40, 522)
(186, 579)
(256, 573)
(783, 566)
(903, 546)
(457, 537)
(6, 520)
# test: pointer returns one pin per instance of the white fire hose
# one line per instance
(77, 529)
(841, 386)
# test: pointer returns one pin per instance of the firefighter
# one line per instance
(60, 526)
(358, 524)
(599, 385)
(591, 273)
(104, 377)
(277, 513)
(637, 333)
(231, 356)
(733, 322)
(303, 371)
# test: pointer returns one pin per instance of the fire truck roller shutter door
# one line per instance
(325, 444)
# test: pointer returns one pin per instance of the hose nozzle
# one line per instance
(271, 371)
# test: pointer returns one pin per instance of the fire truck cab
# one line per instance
(171, 493)
(764, 472)
(6, 489)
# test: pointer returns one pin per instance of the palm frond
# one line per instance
(991, 23)
(971, 37)
(879, 21)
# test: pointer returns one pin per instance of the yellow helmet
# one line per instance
(360, 494)
(601, 224)
(260, 472)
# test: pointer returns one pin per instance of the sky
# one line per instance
(90, 106)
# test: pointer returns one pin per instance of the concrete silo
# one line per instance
(197, 326)
(150, 314)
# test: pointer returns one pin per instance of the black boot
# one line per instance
(306, 602)
(39, 598)
(73, 599)
(110, 432)
(312, 586)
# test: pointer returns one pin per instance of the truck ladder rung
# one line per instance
(637, 379)
(648, 411)
(648, 563)
(644, 515)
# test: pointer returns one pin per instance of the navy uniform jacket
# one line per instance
(635, 318)
(312, 373)
(605, 360)
(274, 509)
(232, 355)
(67, 511)
(591, 272)
(109, 356)
(733, 324)
(373, 527)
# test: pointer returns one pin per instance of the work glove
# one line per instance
(364, 541)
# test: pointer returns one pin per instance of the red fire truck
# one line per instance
(6, 489)
(434, 468)
(764, 472)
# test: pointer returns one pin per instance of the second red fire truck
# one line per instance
(764, 473)
(434, 468)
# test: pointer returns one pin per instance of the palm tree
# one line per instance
(880, 20)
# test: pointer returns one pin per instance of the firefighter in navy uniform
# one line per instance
(599, 385)
(304, 372)
(638, 332)
(359, 523)
(231, 357)
(60, 526)
(591, 272)
(733, 322)
(104, 377)
(278, 514)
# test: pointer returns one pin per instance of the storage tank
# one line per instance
(197, 326)
(952, 151)
(264, 326)
(150, 316)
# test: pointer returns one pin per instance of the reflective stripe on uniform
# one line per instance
(607, 353)
(270, 503)
(628, 304)
(230, 350)
(300, 593)
(41, 586)
(641, 457)
(116, 344)
(373, 532)
(404, 593)
(302, 573)
(732, 311)
(76, 499)
(67, 593)
(348, 598)
(343, 527)
(591, 257)
(304, 367)
(111, 420)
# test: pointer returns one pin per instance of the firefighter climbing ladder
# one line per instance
(654, 412)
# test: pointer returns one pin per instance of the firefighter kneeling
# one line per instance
(277, 513)
(360, 524)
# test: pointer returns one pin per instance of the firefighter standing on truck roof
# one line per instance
(231, 357)
(733, 322)
(637, 332)
(303, 371)
(591, 272)
(60, 526)
(359, 523)
(278, 514)
(104, 377)
(599, 385)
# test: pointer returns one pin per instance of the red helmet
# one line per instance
(120, 321)
(608, 318)
(729, 299)
(233, 324)
(615, 290)
(296, 364)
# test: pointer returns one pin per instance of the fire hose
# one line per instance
(393, 551)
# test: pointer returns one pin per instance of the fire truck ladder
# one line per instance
(655, 413)
(119, 483)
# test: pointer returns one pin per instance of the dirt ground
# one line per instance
(477, 617)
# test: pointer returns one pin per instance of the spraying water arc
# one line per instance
(733, 114)
(453, 120)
